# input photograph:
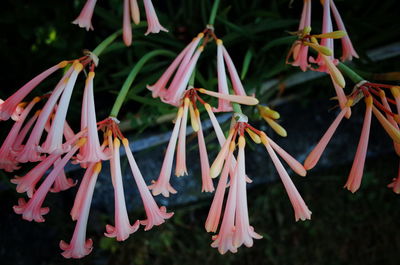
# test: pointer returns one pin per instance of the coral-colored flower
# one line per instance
(84, 20)
(122, 228)
(79, 245)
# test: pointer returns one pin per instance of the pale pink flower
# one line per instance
(224, 240)
(348, 52)
(300, 51)
(327, 42)
(17, 144)
(244, 233)
(153, 25)
(235, 80)
(159, 88)
(354, 180)
(301, 210)
(32, 210)
(214, 214)
(223, 105)
(175, 93)
(30, 150)
(122, 228)
(395, 184)
(7, 159)
(8, 107)
(54, 139)
(126, 24)
(155, 215)
(313, 158)
(207, 184)
(84, 20)
(28, 182)
(91, 151)
(79, 245)
(162, 185)
(180, 169)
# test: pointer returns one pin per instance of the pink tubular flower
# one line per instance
(126, 25)
(326, 42)
(8, 107)
(244, 233)
(313, 158)
(159, 88)
(300, 51)
(54, 139)
(162, 185)
(84, 20)
(155, 215)
(91, 151)
(122, 228)
(32, 210)
(79, 246)
(224, 240)
(207, 184)
(153, 25)
(181, 148)
(354, 180)
(223, 105)
(7, 159)
(348, 52)
(300, 208)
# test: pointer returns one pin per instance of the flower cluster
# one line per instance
(27, 142)
(377, 103)
(131, 12)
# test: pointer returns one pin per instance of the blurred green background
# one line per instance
(345, 228)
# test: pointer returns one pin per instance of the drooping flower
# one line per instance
(84, 20)
(79, 245)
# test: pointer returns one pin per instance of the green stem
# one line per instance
(237, 108)
(347, 71)
(213, 12)
(105, 43)
(131, 77)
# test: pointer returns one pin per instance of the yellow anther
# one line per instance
(36, 99)
(219, 42)
(81, 142)
(37, 113)
(200, 49)
(276, 127)
(193, 118)
(63, 64)
(97, 167)
(241, 142)
(253, 136)
(266, 111)
(319, 48)
(200, 35)
(306, 30)
(22, 104)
